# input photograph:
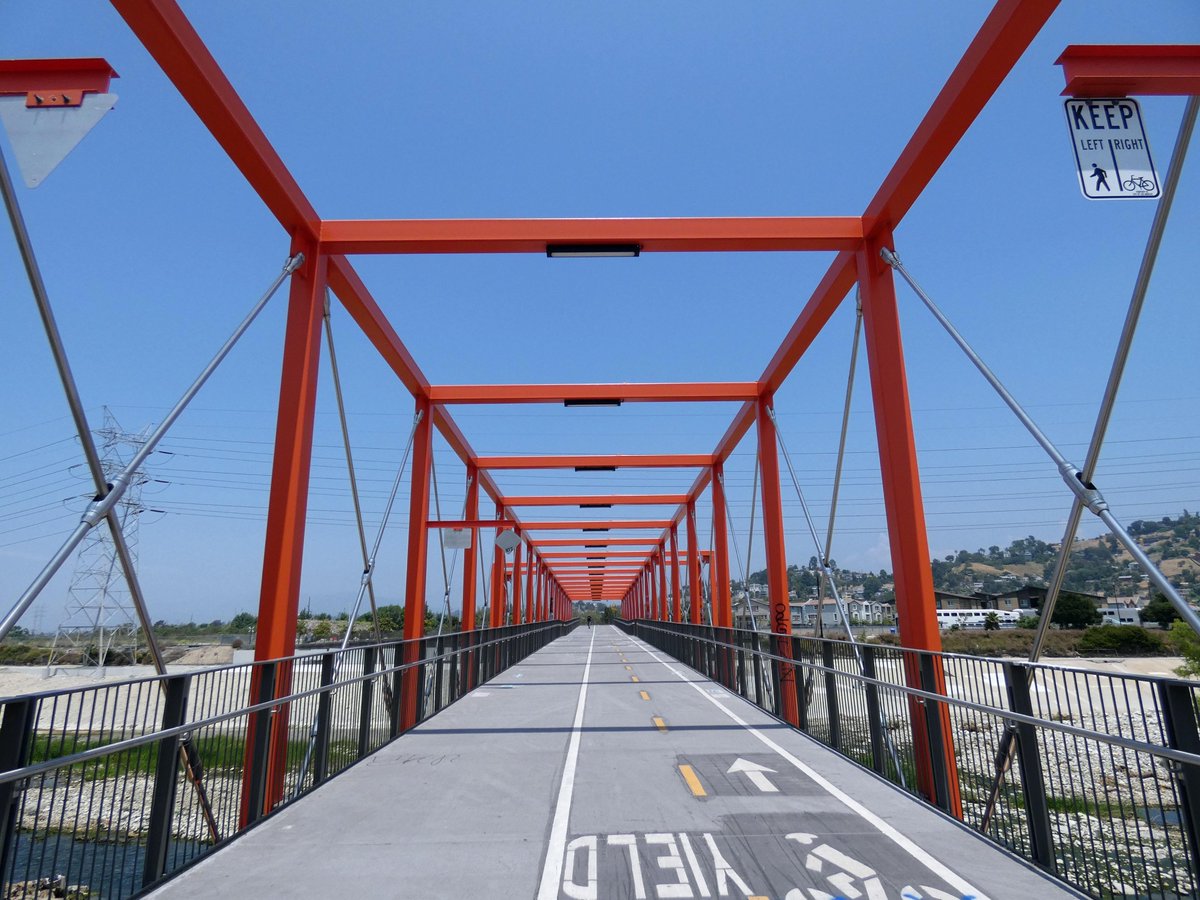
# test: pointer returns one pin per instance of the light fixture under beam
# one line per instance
(595, 529)
(594, 401)
(595, 468)
(592, 251)
(595, 506)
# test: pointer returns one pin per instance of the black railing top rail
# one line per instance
(313, 653)
(1007, 715)
(132, 743)
(946, 654)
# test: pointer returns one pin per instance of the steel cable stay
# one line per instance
(365, 581)
(354, 495)
(108, 494)
(1086, 494)
(833, 588)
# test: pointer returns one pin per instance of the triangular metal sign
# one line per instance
(42, 137)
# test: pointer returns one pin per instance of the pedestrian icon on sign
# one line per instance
(1101, 177)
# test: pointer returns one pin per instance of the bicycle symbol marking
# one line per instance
(1139, 183)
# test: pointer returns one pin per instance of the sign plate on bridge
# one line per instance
(1111, 150)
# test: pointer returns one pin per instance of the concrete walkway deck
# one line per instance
(600, 769)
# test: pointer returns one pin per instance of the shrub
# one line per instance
(1122, 639)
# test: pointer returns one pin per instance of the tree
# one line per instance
(391, 618)
(322, 631)
(1161, 611)
(1074, 611)
(991, 622)
(243, 621)
(1188, 644)
(608, 615)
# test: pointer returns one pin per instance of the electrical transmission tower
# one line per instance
(100, 622)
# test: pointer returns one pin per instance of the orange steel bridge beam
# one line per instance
(516, 584)
(279, 596)
(498, 600)
(669, 392)
(695, 599)
(776, 550)
(598, 500)
(696, 235)
(617, 461)
(915, 608)
(676, 598)
(586, 542)
(414, 579)
(471, 553)
(722, 598)
(1123, 70)
(663, 601)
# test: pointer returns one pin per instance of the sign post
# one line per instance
(1111, 150)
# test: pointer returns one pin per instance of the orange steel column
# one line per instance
(471, 554)
(516, 584)
(721, 596)
(279, 595)
(776, 548)
(676, 594)
(536, 593)
(695, 592)
(496, 618)
(663, 607)
(915, 609)
(529, 567)
(418, 546)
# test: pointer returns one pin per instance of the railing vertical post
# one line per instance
(452, 665)
(397, 691)
(1178, 700)
(801, 691)
(324, 706)
(1017, 678)
(930, 667)
(916, 614)
(259, 730)
(439, 673)
(874, 719)
(366, 703)
(16, 739)
(831, 697)
(166, 778)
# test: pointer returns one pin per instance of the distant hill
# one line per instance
(1098, 565)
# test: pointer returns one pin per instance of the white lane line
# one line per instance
(916, 852)
(552, 870)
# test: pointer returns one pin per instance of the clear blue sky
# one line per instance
(154, 247)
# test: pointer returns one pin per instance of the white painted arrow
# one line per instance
(754, 772)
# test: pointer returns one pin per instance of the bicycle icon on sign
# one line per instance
(1139, 183)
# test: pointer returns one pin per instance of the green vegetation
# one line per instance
(1129, 640)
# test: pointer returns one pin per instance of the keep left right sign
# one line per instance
(1111, 150)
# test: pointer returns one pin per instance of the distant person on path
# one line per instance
(589, 618)
(1101, 177)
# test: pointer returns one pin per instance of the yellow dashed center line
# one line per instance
(693, 782)
(629, 668)
(645, 696)
(635, 678)
(660, 724)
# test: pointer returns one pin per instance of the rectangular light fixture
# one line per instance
(595, 468)
(595, 529)
(595, 506)
(594, 401)
(592, 251)
(593, 546)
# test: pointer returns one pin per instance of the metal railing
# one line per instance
(92, 789)
(1104, 788)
